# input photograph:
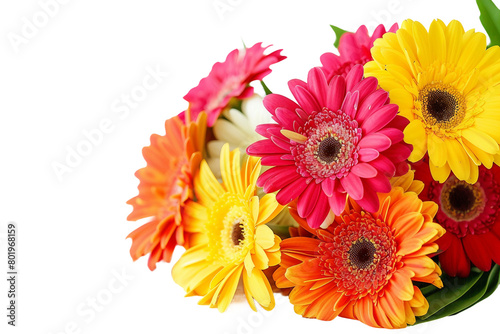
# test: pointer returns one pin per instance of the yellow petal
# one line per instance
(458, 160)
(248, 294)
(274, 258)
(268, 209)
(227, 292)
(437, 150)
(208, 189)
(480, 140)
(249, 265)
(485, 158)
(264, 236)
(250, 175)
(260, 258)
(438, 41)
(259, 288)
(254, 208)
(415, 135)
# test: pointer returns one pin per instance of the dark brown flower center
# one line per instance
(462, 201)
(237, 233)
(328, 150)
(462, 198)
(362, 253)
(442, 105)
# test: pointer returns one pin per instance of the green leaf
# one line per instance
(280, 230)
(266, 89)
(493, 281)
(472, 296)
(490, 18)
(338, 33)
(454, 288)
(459, 294)
(491, 284)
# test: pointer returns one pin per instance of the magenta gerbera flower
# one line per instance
(342, 138)
(230, 79)
(354, 48)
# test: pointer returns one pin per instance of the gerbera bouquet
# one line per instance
(371, 194)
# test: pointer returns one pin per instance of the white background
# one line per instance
(69, 76)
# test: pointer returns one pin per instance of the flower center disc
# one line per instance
(328, 150)
(362, 253)
(237, 233)
(361, 258)
(331, 148)
(230, 230)
(442, 105)
(462, 201)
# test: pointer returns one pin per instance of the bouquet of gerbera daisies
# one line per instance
(370, 195)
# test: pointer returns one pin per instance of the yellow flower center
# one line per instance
(442, 106)
(231, 230)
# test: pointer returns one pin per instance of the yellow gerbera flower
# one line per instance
(446, 84)
(238, 245)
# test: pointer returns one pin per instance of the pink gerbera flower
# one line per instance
(230, 79)
(342, 138)
(354, 48)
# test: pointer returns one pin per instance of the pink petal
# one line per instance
(320, 212)
(370, 201)
(353, 77)
(263, 129)
(306, 100)
(379, 118)
(273, 101)
(371, 103)
(394, 27)
(336, 93)
(286, 118)
(398, 152)
(281, 143)
(291, 191)
(378, 32)
(277, 177)
(317, 84)
(384, 166)
(395, 135)
(377, 141)
(264, 147)
(367, 154)
(328, 186)
(366, 87)
(305, 204)
(350, 105)
(293, 83)
(364, 170)
(353, 185)
(379, 183)
(276, 160)
(337, 202)
(330, 62)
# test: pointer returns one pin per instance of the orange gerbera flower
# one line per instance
(362, 266)
(166, 183)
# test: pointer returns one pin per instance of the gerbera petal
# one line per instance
(353, 185)
(379, 118)
(336, 93)
(454, 261)
(477, 252)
